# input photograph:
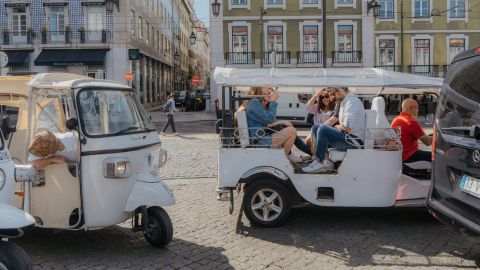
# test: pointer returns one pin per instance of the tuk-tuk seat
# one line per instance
(336, 155)
(243, 129)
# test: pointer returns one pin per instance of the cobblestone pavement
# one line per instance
(207, 237)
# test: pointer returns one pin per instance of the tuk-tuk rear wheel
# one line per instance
(159, 232)
(267, 203)
(13, 257)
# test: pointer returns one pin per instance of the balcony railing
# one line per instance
(396, 68)
(95, 36)
(309, 57)
(347, 57)
(283, 57)
(239, 58)
(56, 37)
(424, 70)
(18, 38)
(445, 69)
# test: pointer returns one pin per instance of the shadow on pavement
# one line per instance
(115, 247)
(369, 237)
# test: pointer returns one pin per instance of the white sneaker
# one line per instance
(174, 134)
(294, 158)
(319, 167)
(305, 157)
(163, 134)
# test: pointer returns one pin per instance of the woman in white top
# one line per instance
(322, 107)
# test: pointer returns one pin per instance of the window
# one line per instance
(240, 38)
(345, 38)
(147, 32)
(457, 9)
(387, 52)
(57, 23)
(386, 9)
(310, 38)
(132, 22)
(140, 27)
(422, 52)
(239, 2)
(310, 2)
(274, 2)
(345, 2)
(19, 24)
(275, 38)
(422, 8)
(95, 23)
(455, 46)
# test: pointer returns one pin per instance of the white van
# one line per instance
(293, 107)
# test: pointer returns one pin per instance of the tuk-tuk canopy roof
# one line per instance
(69, 81)
(320, 77)
(16, 85)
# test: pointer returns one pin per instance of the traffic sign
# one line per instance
(3, 59)
(195, 80)
(128, 76)
(133, 54)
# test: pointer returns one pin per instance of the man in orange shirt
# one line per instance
(411, 132)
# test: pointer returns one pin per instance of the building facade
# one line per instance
(433, 33)
(83, 37)
(245, 33)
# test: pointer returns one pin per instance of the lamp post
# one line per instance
(263, 12)
(216, 8)
(373, 4)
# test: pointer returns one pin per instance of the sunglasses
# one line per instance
(322, 97)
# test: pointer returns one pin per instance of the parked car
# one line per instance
(181, 98)
(454, 196)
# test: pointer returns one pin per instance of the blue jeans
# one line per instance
(324, 136)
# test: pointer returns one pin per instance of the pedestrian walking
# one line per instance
(169, 108)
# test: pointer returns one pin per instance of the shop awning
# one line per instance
(17, 58)
(71, 57)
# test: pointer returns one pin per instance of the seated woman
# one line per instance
(261, 113)
(322, 108)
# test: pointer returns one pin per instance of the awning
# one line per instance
(71, 57)
(17, 58)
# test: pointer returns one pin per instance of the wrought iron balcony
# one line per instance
(309, 57)
(424, 70)
(18, 38)
(347, 57)
(283, 57)
(396, 68)
(445, 69)
(239, 58)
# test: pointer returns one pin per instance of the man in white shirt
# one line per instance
(351, 123)
(48, 148)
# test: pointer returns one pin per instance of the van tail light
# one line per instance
(434, 143)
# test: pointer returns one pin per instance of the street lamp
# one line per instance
(176, 55)
(216, 8)
(373, 4)
(109, 5)
(193, 38)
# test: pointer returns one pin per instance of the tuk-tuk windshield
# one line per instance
(111, 113)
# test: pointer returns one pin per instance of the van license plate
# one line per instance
(470, 185)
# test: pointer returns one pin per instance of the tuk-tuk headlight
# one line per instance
(116, 168)
(3, 179)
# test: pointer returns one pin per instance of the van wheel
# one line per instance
(267, 203)
(13, 257)
(160, 230)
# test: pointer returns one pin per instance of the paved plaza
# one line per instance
(207, 237)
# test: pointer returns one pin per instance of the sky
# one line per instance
(202, 10)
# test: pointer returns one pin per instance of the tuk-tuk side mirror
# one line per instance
(72, 124)
(6, 128)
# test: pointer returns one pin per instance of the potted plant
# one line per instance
(68, 30)
(31, 35)
(82, 34)
(44, 35)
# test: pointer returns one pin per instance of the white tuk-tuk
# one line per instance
(367, 176)
(116, 174)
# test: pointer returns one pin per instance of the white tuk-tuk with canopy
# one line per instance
(367, 176)
(116, 175)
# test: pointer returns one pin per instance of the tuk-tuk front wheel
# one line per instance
(266, 203)
(13, 257)
(159, 231)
